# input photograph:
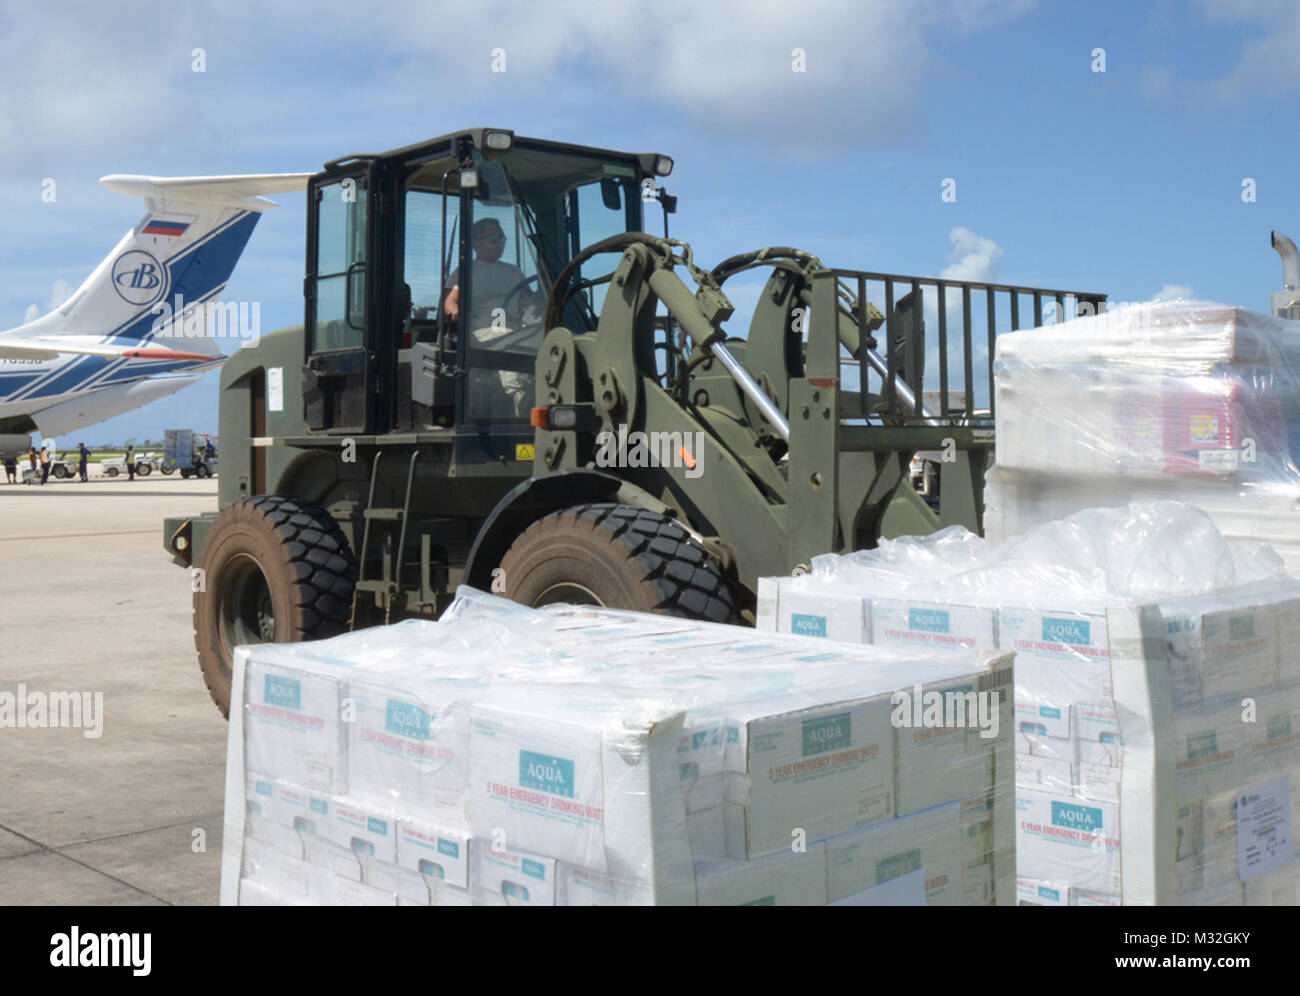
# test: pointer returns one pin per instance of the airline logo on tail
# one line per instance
(139, 278)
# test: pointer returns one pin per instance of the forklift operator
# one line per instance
(493, 279)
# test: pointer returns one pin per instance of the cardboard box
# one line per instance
(1061, 656)
(408, 746)
(1226, 646)
(1063, 838)
(301, 809)
(1288, 642)
(437, 852)
(707, 834)
(1078, 897)
(1034, 892)
(370, 833)
(937, 764)
(410, 888)
(1044, 774)
(333, 859)
(821, 771)
(1097, 729)
(345, 892)
(1210, 748)
(807, 608)
(1275, 748)
(259, 803)
(584, 887)
(292, 729)
(901, 622)
(932, 841)
(584, 784)
(512, 878)
(1038, 722)
(786, 879)
(1100, 782)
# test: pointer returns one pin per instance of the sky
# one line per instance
(837, 131)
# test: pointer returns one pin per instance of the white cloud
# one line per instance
(1265, 63)
(1174, 292)
(59, 292)
(116, 79)
(972, 256)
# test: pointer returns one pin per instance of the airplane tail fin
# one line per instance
(176, 259)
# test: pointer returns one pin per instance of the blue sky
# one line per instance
(1127, 182)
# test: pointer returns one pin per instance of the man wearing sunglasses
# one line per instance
(493, 279)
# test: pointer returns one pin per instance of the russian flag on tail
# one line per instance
(165, 226)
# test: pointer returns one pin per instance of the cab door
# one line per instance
(338, 377)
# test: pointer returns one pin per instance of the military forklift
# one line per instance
(504, 380)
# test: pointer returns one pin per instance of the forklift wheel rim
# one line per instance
(247, 614)
(567, 592)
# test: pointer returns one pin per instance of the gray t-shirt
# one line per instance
(492, 281)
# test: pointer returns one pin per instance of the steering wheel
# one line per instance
(518, 288)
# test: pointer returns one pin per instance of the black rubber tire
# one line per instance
(166, 469)
(112, 471)
(202, 471)
(276, 568)
(143, 469)
(618, 556)
(61, 472)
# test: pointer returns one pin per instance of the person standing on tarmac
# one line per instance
(85, 460)
(130, 463)
(45, 464)
(11, 470)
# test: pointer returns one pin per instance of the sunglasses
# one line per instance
(493, 238)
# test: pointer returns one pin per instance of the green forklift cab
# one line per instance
(427, 274)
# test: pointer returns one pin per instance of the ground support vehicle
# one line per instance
(583, 428)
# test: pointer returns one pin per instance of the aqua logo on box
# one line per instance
(406, 720)
(546, 773)
(928, 620)
(898, 865)
(448, 847)
(319, 806)
(376, 826)
(533, 869)
(804, 625)
(827, 733)
(283, 692)
(1075, 816)
(1076, 631)
(715, 737)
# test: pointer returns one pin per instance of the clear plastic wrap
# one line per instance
(511, 756)
(1157, 677)
(1192, 401)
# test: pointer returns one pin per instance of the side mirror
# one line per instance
(609, 193)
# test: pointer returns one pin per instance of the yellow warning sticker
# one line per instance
(525, 451)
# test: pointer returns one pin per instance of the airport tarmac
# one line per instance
(90, 603)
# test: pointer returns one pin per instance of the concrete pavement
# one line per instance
(89, 603)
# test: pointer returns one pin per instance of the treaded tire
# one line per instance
(276, 569)
(618, 556)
